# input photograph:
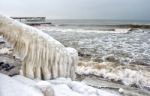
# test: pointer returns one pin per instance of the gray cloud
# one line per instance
(78, 9)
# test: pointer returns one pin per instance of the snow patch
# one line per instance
(11, 87)
(22, 86)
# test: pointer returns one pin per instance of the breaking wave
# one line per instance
(85, 30)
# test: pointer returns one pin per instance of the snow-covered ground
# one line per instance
(22, 86)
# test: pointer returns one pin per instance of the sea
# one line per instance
(126, 41)
(97, 22)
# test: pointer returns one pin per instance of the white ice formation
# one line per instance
(22, 86)
(42, 56)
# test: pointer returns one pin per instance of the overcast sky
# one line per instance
(78, 9)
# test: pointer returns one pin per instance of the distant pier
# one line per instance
(33, 21)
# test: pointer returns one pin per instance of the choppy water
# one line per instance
(104, 39)
(133, 47)
(101, 26)
(102, 43)
(109, 41)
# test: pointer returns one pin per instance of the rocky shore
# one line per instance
(9, 64)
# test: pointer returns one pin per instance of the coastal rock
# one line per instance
(9, 65)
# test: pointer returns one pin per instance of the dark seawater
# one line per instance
(98, 22)
(95, 25)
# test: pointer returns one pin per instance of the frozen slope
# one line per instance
(11, 87)
(22, 86)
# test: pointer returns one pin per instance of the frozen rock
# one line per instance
(46, 88)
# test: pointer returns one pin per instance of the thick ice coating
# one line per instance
(42, 56)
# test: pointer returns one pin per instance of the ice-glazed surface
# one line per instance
(22, 86)
(124, 48)
(38, 51)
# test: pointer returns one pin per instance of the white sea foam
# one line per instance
(127, 76)
(82, 30)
